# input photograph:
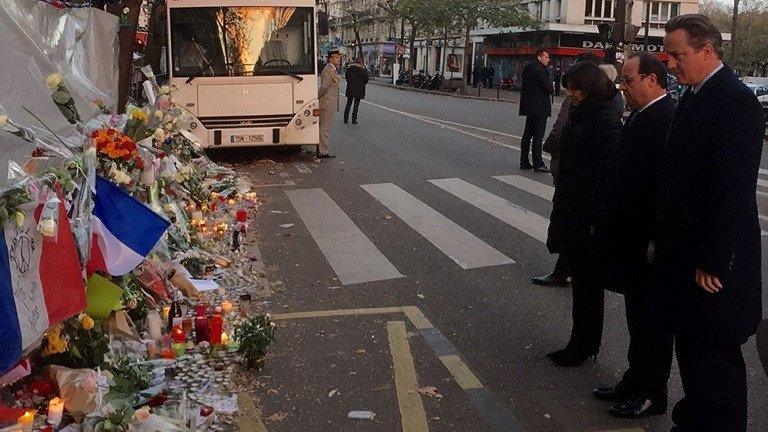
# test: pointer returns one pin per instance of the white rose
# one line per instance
(159, 114)
(47, 227)
(3, 121)
(159, 134)
(53, 81)
(126, 10)
(165, 90)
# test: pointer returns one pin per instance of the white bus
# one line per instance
(246, 70)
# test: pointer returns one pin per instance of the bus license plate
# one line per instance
(246, 138)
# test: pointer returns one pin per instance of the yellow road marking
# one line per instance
(337, 312)
(417, 318)
(414, 419)
(461, 373)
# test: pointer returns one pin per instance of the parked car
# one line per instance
(761, 91)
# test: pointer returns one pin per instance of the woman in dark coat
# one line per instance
(357, 78)
(588, 139)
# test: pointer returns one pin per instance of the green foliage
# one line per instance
(254, 335)
(751, 53)
(129, 379)
(85, 348)
(11, 200)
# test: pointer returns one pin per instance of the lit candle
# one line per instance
(179, 349)
(224, 338)
(26, 421)
(166, 311)
(226, 306)
(231, 202)
(214, 195)
(241, 216)
(55, 411)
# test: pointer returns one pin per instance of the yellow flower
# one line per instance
(53, 81)
(56, 344)
(139, 115)
(86, 322)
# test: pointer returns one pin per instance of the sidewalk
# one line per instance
(492, 94)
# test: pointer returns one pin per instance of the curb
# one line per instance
(439, 93)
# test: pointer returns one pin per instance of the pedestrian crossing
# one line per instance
(356, 259)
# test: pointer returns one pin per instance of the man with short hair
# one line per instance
(708, 246)
(631, 194)
(329, 100)
(357, 79)
(536, 106)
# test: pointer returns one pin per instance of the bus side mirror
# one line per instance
(322, 23)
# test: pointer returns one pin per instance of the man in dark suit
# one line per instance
(631, 194)
(536, 106)
(357, 79)
(708, 247)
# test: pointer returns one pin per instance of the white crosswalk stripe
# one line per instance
(460, 245)
(520, 218)
(529, 185)
(353, 257)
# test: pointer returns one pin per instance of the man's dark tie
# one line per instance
(687, 95)
(630, 120)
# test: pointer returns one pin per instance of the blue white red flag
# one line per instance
(124, 230)
(41, 283)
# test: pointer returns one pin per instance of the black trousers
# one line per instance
(715, 383)
(534, 131)
(350, 100)
(650, 339)
(562, 267)
(588, 280)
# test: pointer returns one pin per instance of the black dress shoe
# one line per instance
(617, 393)
(354, 121)
(541, 169)
(346, 121)
(639, 407)
(551, 280)
(326, 156)
(571, 357)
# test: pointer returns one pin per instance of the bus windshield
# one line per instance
(242, 40)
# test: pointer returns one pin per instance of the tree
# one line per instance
(748, 53)
(358, 13)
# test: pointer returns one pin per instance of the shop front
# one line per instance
(509, 53)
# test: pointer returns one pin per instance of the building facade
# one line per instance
(376, 28)
(568, 28)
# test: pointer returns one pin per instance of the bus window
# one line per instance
(242, 40)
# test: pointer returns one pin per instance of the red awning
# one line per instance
(559, 51)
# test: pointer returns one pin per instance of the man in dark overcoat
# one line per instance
(708, 248)
(631, 197)
(535, 106)
(357, 79)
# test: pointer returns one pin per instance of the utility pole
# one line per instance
(618, 30)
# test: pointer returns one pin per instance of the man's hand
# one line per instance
(707, 282)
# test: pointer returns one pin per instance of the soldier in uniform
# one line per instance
(329, 100)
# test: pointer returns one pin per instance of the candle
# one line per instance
(166, 311)
(178, 334)
(224, 338)
(231, 202)
(204, 207)
(26, 421)
(168, 353)
(55, 411)
(226, 306)
(155, 325)
(215, 324)
(186, 325)
(179, 349)
(201, 309)
(201, 329)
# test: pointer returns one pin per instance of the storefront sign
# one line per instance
(632, 47)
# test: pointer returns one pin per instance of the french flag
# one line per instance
(124, 230)
(41, 283)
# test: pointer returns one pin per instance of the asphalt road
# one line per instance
(369, 230)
